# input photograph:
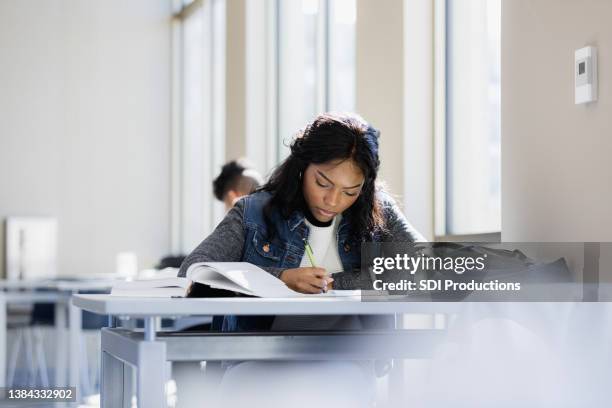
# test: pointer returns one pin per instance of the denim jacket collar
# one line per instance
(297, 217)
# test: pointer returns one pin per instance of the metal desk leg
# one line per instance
(147, 356)
(111, 387)
(74, 355)
(129, 379)
(3, 322)
(116, 376)
(62, 352)
(151, 376)
(396, 376)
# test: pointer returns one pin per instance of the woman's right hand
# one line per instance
(307, 280)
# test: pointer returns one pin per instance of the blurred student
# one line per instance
(237, 179)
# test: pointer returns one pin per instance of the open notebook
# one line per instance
(217, 279)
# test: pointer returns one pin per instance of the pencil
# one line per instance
(310, 254)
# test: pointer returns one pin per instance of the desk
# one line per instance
(59, 299)
(148, 351)
(60, 291)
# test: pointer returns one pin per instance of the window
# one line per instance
(298, 76)
(198, 139)
(341, 92)
(472, 118)
(316, 62)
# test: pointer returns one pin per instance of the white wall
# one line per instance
(235, 99)
(85, 124)
(556, 163)
(379, 81)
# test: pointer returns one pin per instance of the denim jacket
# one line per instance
(286, 250)
(243, 236)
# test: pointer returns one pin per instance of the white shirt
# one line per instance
(324, 244)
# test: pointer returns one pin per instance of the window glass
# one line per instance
(342, 20)
(297, 73)
(316, 62)
(473, 116)
(192, 140)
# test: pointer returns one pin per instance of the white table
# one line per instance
(149, 351)
(59, 293)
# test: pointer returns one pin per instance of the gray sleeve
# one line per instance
(224, 244)
(398, 230)
(398, 227)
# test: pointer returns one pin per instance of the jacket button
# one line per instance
(266, 248)
(347, 247)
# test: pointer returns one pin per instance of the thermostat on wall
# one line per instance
(585, 75)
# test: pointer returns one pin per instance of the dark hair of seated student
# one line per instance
(237, 179)
(336, 139)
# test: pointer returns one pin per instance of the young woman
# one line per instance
(325, 194)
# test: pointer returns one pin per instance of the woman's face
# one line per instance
(332, 187)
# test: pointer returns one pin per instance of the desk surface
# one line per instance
(143, 306)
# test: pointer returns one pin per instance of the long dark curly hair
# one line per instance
(331, 136)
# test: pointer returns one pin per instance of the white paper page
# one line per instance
(252, 278)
